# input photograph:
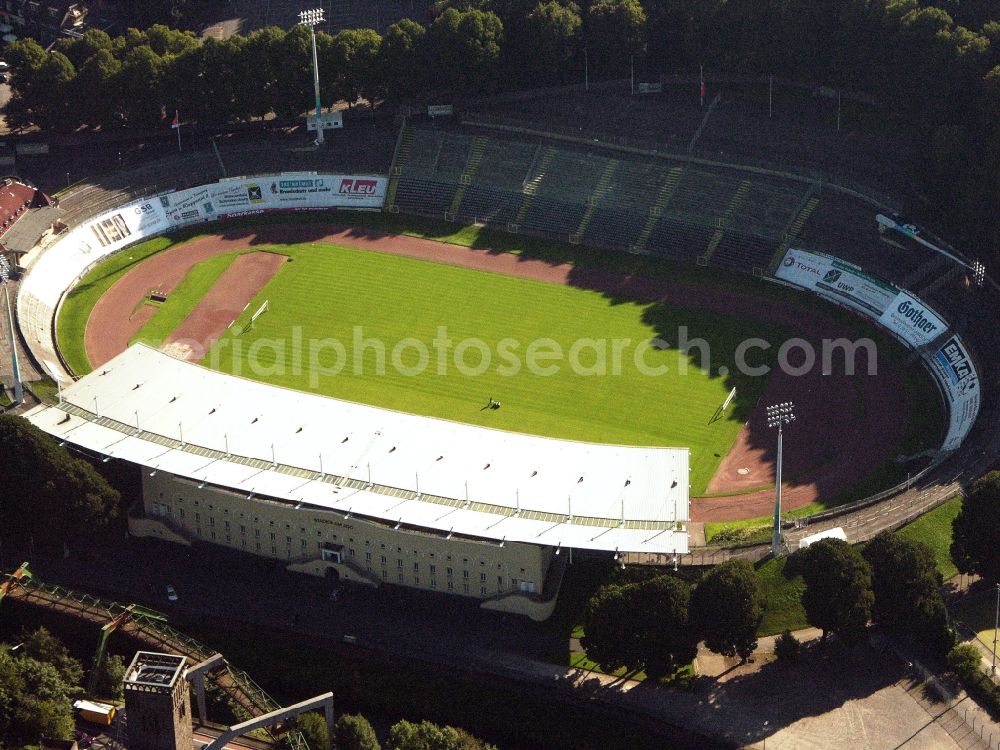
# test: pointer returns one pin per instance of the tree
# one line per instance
(260, 54)
(402, 61)
(550, 38)
(110, 676)
(975, 543)
(81, 49)
(354, 732)
(667, 641)
(965, 661)
(907, 600)
(42, 646)
(53, 93)
(464, 49)
(641, 626)
(141, 87)
(616, 31)
(404, 735)
(95, 96)
(312, 724)
(50, 495)
(786, 647)
(838, 596)
(727, 608)
(354, 54)
(293, 57)
(34, 699)
(610, 635)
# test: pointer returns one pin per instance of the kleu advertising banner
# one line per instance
(838, 281)
(292, 191)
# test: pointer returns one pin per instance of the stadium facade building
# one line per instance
(373, 496)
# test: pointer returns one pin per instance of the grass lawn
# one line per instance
(635, 409)
(199, 280)
(328, 292)
(45, 390)
(978, 611)
(76, 307)
(783, 596)
(934, 528)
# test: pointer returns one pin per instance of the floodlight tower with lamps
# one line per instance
(312, 18)
(778, 415)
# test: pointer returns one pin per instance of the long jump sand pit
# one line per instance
(217, 310)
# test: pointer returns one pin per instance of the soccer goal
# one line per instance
(253, 318)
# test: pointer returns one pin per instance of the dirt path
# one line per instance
(846, 425)
(223, 303)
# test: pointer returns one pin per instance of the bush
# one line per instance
(965, 661)
(787, 646)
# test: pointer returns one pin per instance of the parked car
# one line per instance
(82, 739)
(171, 593)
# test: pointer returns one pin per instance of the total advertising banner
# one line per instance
(960, 382)
(303, 191)
(838, 281)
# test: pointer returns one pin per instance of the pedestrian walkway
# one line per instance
(833, 697)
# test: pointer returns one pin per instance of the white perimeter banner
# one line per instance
(291, 191)
(838, 281)
(905, 316)
(121, 226)
(912, 321)
(957, 375)
(59, 267)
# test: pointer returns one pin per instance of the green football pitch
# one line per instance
(588, 388)
(443, 341)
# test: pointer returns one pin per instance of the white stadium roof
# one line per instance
(165, 414)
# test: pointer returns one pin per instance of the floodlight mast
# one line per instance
(5, 271)
(778, 415)
(311, 18)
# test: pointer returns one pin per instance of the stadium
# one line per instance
(167, 310)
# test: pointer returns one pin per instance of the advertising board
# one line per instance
(838, 281)
(906, 317)
(959, 380)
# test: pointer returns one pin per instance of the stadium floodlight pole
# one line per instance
(14, 363)
(996, 625)
(778, 415)
(311, 18)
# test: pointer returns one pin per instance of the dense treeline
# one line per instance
(38, 682)
(56, 498)
(934, 67)
(655, 625)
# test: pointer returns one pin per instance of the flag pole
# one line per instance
(701, 88)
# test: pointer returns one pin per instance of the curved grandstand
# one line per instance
(383, 497)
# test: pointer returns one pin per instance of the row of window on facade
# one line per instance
(330, 555)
